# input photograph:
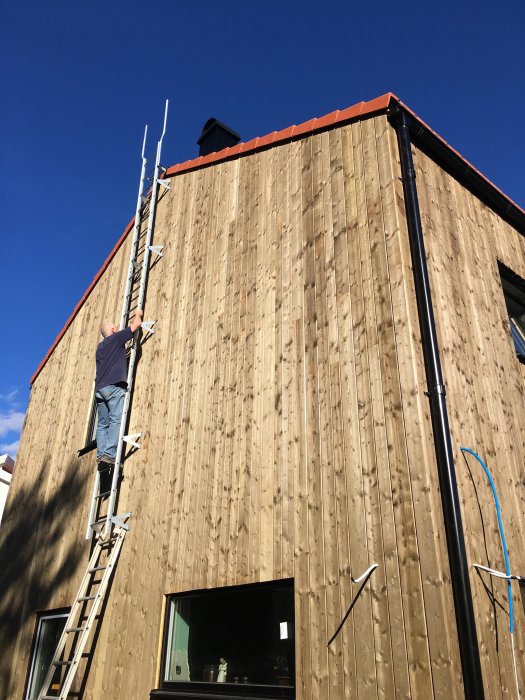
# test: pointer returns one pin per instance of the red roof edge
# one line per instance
(359, 111)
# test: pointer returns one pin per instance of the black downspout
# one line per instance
(466, 626)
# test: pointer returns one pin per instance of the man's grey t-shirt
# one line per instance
(112, 367)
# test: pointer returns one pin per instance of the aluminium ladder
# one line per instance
(110, 529)
(90, 597)
(134, 294)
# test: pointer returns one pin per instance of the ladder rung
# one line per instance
(62, 663)
(96, 568)
(74, 629)
(106, 543)
(86, 597)
(103, 495)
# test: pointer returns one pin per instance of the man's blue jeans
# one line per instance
(110, 403)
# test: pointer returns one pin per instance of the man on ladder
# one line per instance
(111, 386)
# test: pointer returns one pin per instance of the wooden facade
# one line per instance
(286, 429)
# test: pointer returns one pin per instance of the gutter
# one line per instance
(459, 167)
(465, 622)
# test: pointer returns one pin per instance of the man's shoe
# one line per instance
(106, 461)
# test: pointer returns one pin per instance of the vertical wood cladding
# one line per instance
(285, 429)
(485, 392)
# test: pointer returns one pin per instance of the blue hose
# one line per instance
(501, 532)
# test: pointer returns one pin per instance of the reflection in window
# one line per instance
(48, 633)
(232, 635)
(514, 292)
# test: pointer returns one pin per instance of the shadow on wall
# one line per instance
(31, 558)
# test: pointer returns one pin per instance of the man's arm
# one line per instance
(136, 320)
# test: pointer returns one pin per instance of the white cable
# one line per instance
(498, 574)
(368, 571)
(518, 694)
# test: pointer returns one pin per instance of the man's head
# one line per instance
(108, 328)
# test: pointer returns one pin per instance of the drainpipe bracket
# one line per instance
(438, 390)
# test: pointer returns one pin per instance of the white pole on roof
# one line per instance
(136, 231)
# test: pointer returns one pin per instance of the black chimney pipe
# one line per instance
(215, 136)
(465, 622)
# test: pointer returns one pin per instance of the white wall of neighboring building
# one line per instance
(6, 470)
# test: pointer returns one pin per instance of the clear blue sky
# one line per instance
(80, 80)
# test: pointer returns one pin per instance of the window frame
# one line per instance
(90, 436)
(174, 689)
(37, 635)
(508, 275)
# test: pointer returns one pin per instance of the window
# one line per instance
(92, 427)
(514, 292)
(49, 629)
(90, 442)
(239, 636)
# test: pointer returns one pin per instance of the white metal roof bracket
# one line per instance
(148, 326)
(132, 440)
(120, 520)
(157, 249)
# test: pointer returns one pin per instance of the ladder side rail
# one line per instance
(71, 617)
(153, 209)
(84, 636)
(118, 456)
(123, 422)
(93, 506)
(133, 354)
(136, 232)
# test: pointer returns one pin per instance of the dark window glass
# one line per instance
(92, 427)
(242, 635)
(91, 432)
(514, 292)
(48, 633)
